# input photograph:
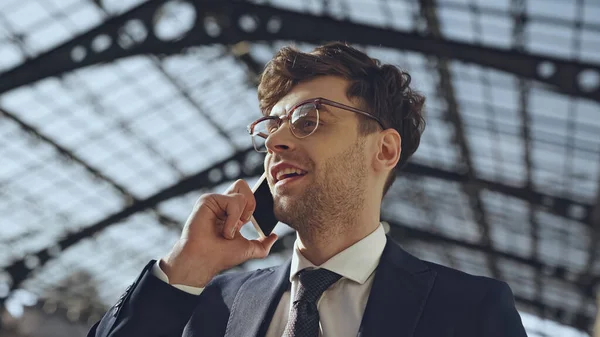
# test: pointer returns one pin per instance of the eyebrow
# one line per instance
(279, 113)
(324, 108)
(327, 110)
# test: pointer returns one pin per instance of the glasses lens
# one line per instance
(259, 144)
(304, 120)
(262, 130)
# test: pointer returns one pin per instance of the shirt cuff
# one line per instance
(160, 274)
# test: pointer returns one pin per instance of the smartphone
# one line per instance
(263, 218)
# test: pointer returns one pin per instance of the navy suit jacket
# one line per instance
(409, 298)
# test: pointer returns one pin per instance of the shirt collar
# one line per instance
(356, 262)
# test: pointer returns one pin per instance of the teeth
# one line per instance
(289, 170)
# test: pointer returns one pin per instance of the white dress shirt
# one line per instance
(341, 307)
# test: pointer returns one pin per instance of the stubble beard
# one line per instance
(330, 205)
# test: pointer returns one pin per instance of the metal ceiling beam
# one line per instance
(131, 36)
(65, 153)
(502, 13)
(452, 114)
(229, 22)
(402, 232)
(425, 201)
(590, 278)
(69, 156)
(243, 164)
(560, 206)
(93, 100)
(519, 42)
(241, 52)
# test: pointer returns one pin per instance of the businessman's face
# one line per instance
(332, 161)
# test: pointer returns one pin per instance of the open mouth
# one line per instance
(289, 179)
(290, 174)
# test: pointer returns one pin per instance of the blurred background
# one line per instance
(116, 115)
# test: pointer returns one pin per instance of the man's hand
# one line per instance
(211, 242)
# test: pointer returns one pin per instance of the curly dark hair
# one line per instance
(382, 90)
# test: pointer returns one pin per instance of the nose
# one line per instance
(281, 140)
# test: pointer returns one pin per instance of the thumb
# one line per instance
(260, 248)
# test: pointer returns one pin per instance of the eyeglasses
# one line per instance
(303, 118)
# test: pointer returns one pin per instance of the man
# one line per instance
(337, 125)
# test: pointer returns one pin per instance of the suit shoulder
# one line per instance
(474, 305)
(226, 286)
(467, 287)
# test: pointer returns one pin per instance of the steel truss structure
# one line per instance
(233, 29)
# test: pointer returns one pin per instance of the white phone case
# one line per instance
(256, 226)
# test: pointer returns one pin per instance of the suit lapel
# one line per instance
(400, 289)
(256, 302)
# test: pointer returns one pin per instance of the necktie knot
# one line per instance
(304, 316)
(312, 284)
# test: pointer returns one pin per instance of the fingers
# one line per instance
(235, 205)
(242, 187)
(234, 208)
(225, 211)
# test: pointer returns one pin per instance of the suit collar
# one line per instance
(355, 263)
(402, 282)
(256, 301)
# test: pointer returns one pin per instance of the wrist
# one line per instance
(184, 273)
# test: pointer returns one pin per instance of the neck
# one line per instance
(320, 247)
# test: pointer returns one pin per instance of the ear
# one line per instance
(389, 148)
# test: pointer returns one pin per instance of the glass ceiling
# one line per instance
(100, 165)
